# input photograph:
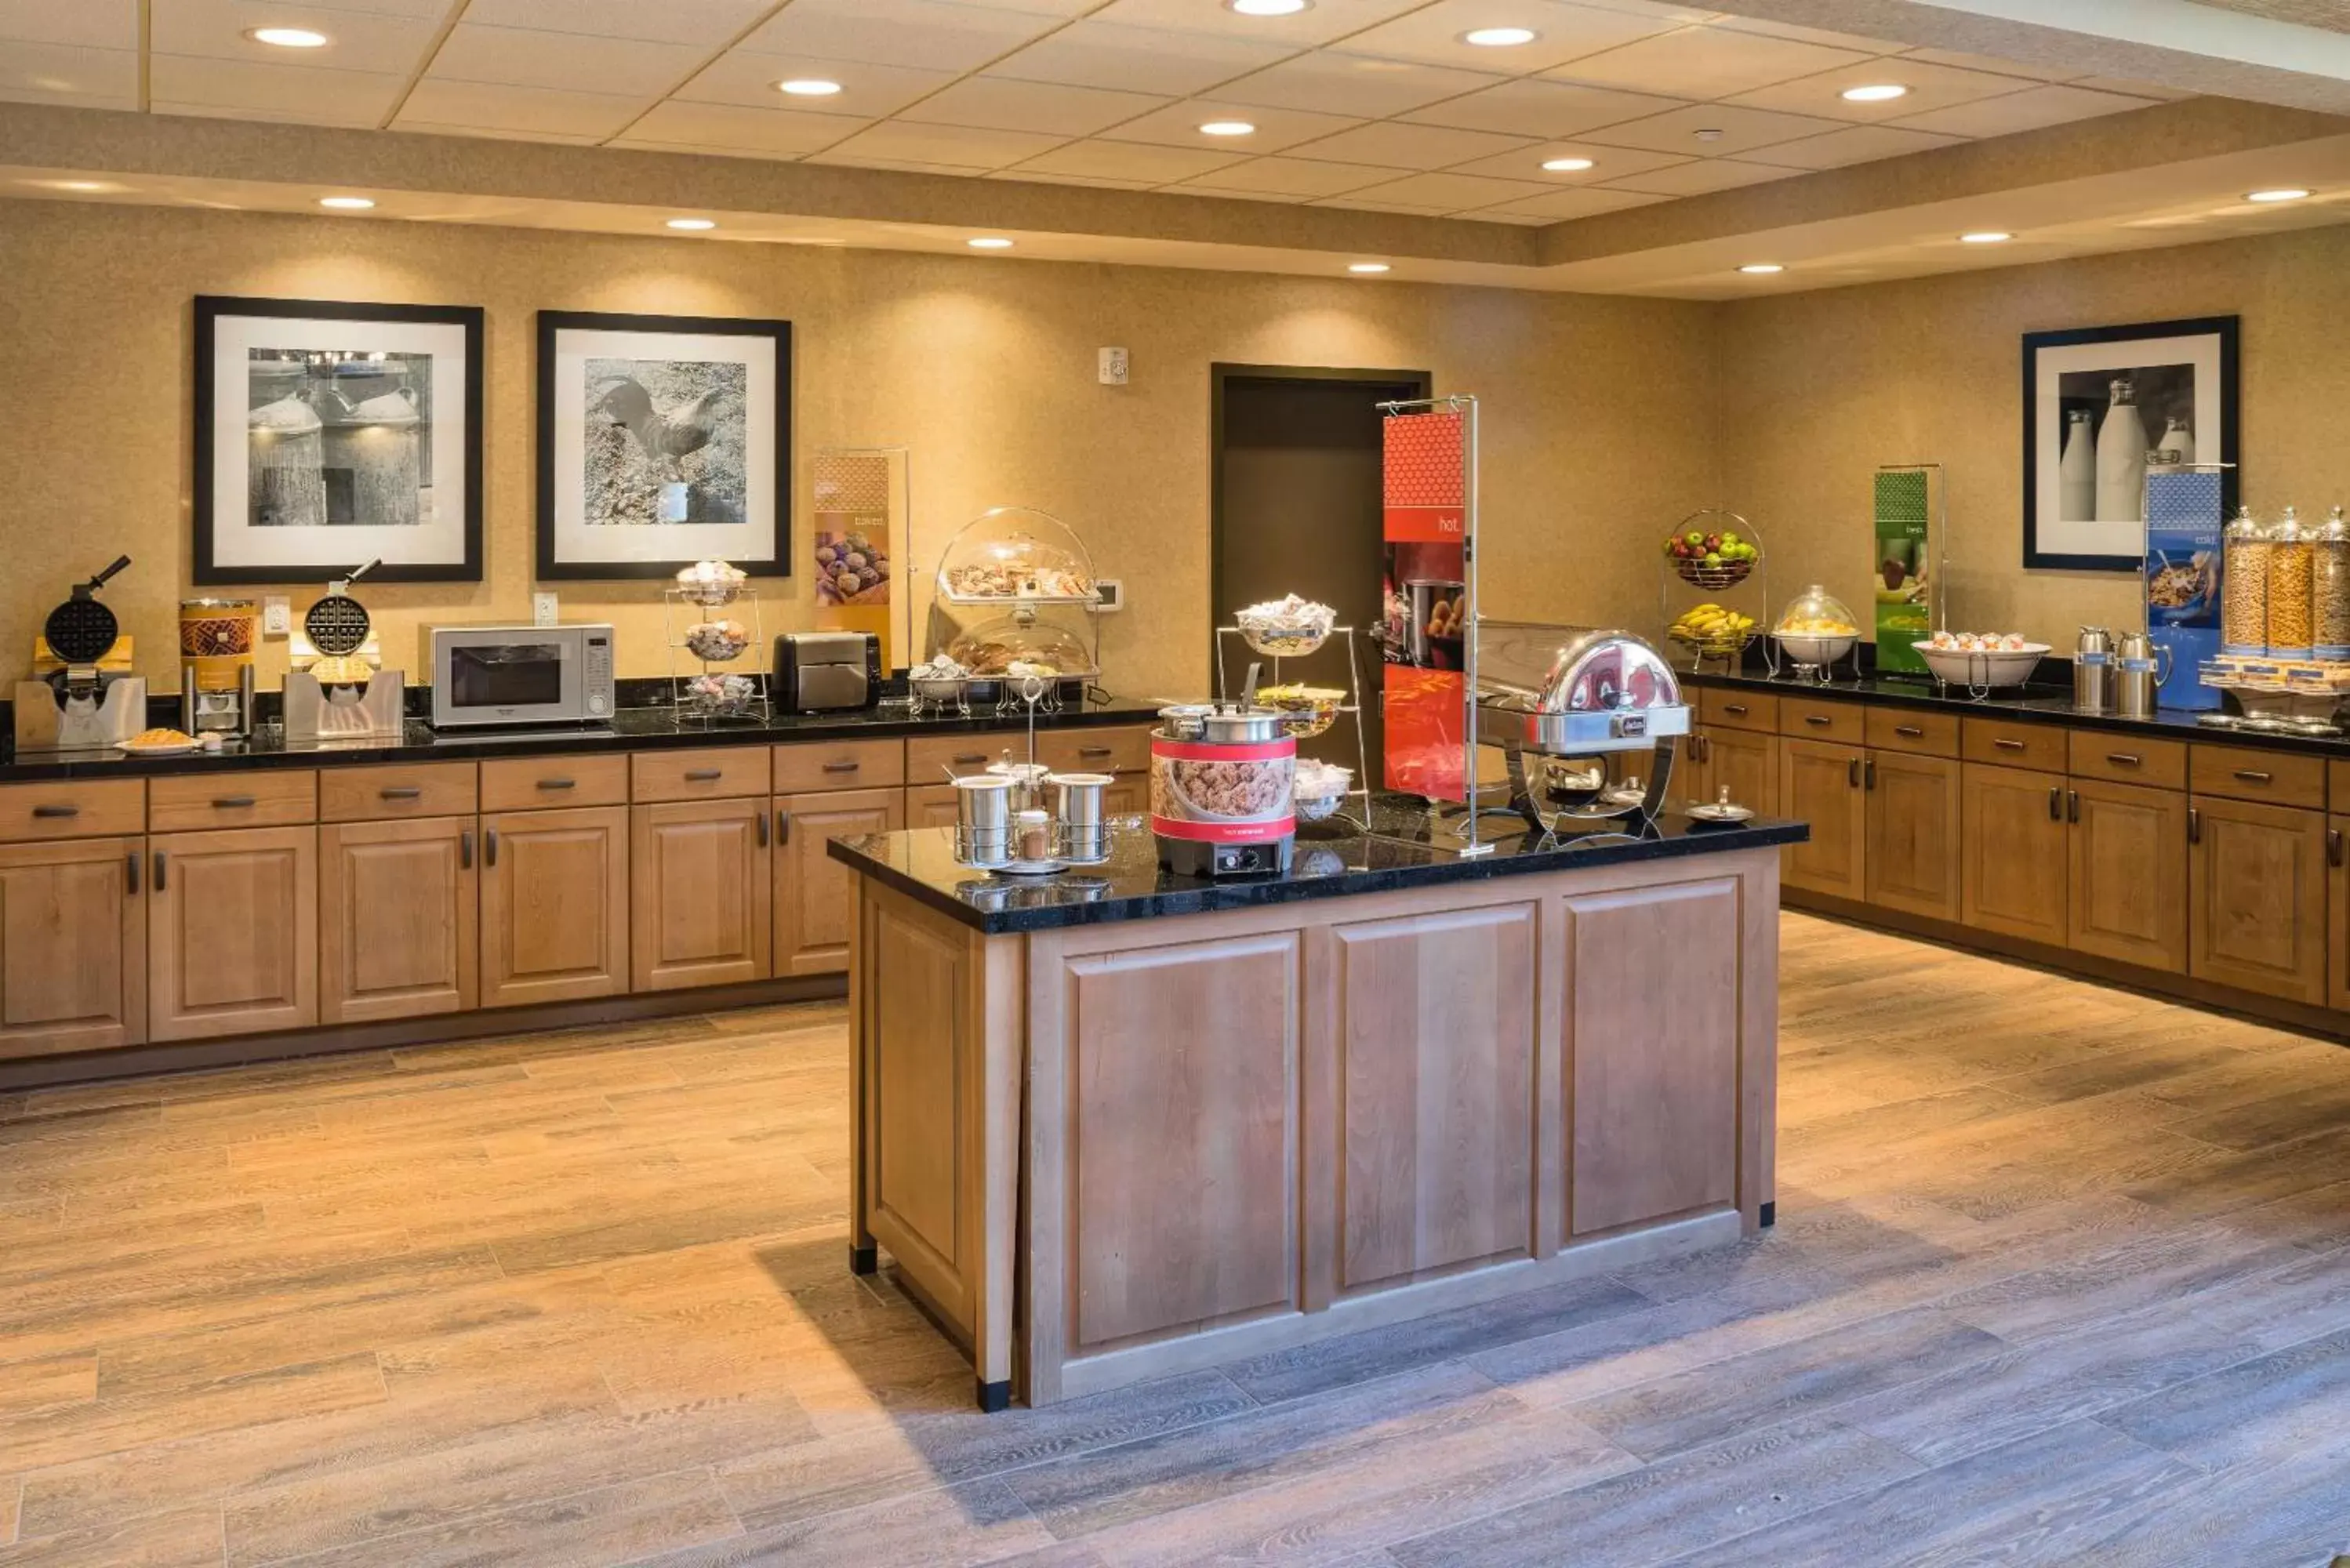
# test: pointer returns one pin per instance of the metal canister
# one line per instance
(2093, 670)
(984, 819)
(2137, 675)
(1084, 829)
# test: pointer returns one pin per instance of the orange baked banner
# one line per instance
(1424, 695)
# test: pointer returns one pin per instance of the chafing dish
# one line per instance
(1577, 693)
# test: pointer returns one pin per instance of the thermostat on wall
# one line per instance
(1114, 366)
(1109, 594)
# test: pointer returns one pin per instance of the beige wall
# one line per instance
(1597, 412)
(1819, 388)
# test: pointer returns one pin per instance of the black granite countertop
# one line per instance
(634, 729)
(1329, 863)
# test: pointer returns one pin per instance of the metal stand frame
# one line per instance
(1938, 558)
(1355, 706)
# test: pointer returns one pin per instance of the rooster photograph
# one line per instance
(665, 441)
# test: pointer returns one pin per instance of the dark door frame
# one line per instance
(1219, 373)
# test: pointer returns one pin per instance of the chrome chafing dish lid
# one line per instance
(1573, 689)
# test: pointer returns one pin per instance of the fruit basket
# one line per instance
(1816, 630)
(1712, 631)
(1715, 552)
(1712, 559)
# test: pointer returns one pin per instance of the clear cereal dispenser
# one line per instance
(2244, 608)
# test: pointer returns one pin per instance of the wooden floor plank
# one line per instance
(189, 1538)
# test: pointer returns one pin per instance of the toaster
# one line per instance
(827, 671)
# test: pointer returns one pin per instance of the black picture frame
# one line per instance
(776, 562)
(208, 525)
(2225, 329)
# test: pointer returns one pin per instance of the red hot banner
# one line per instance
(1424, 690)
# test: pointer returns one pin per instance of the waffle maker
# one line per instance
(77, 705)
(336, 692)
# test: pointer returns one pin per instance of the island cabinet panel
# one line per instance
(73, 947)
(815, 895)
(1653, 1025)
(1423, 1037)
(2128, 893)
(916, 1144)
(701, 894)
(2256, 898)
(232, 933)
(1913, 859)
(554, 905)
(398, 905)
(2012, 840)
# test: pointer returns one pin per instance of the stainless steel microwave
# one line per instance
(520, 674)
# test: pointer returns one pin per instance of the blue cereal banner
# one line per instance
(2183, 585)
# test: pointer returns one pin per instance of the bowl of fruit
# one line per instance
(1712, 560)
(1712, 631)
(1815, 630)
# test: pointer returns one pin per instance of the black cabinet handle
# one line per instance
(842, 767)
(489, 846)
(2255, 775)
(2072, 805)
(130, 872)
(1852, 774)
(761, 818)
(465, 850)
(2055, 803)
(1096, 752)
(2333, 849)
(1910, 731)
(57, 811)
(399, 792)
(2194, 825)
(2125, 758)
(231, 802)
(1869, 773)
(557, 784)
(783, 828)
(163, 863)
(704, 776)
(2006, 744)
(969, 759)
(1737, 708)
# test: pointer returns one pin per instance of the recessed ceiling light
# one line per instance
(1876, 92)
(1499, 37)
(1986, 237)
(2286, 193)
(1708, 133)
(1567, 165)
(989, 242)
(288, 37)
(347, 203)
(695, 224)
(1227, 127)
(1762, 269)
(1267, 7)
(1367, 267)
(808, 87)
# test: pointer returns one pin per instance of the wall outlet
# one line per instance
(277, 616)
(544, 609)
(1114, 366)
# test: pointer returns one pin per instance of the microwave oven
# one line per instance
(520, 674)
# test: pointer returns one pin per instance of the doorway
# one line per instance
(1295, 499)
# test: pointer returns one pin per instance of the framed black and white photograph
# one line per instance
(2101, 405)
(662, 440)
(328, 434)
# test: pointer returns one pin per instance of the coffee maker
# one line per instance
(81, 695)
(217, 639)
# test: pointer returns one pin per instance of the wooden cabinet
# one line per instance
(815, 895)
(1912, 862)
(1744, 760)
(2337, 901)
(1819, 784)
(2011, 838)
(2256, 898)
(73, 946)
(2127, 863)
(232, 932)
(1128, 796)
(398, 908)
(554, 905)
(930, 805)
(701, 896)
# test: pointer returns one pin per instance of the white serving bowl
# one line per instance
(1806, 648)
(1979, 666)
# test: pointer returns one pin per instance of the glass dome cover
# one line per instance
(1815, 612)
(1020, 644)
(1015, 554)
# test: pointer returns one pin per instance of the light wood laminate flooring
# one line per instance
(2062, 1275)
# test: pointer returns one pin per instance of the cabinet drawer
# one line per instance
(931, 759)
(1096, 751)
(201, 801)
(1902, 730)
(1738, 710)
(840, 764)
(2126, 759)
(72, 808)
(399, 790)
(2242, 772)
(1845, 723)
(2004, 743)
(533, 783)
(718, 772)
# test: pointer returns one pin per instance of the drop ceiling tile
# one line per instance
(1322, 23)
(89, 25)
(1450, 192)
(1544, 108)
(1699, 177)
(1335, 83)
(1278, 198)
(709, 23)
(312, 94)
(747, 78)
(931, 35)
(729, 128)
(570, 62)
(1137, 60)
(1856, 144)
(2132, 89)
(1394, 145)
(1362, 204)
(356, 40)
(1135, 161)
(1931, 86)
(1024, 174)
(521, 131)
(836, 158)
(1503, 215)
(484, 106)
(1704, 63)
(1743, 129)
(990, 103)
(1558, 205)
(1821, 35)
(1062, 8)
(1993, 63)
(2027, 110)
(948, 146)
(1178, 125)
(1300, 178)
(1563, 31)
(1606, 163)
(62, 73)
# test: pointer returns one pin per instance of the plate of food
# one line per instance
(160, 743)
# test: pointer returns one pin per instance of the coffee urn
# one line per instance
(2093, 670)
(2139, 667)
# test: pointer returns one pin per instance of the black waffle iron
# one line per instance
(80, 705)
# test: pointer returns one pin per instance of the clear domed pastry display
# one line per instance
(1016, 600)
(1015, 646)
(1815, 630)
(1016, 553)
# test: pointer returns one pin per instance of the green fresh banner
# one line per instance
(1898, 576)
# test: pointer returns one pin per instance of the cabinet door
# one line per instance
(554, 905)
(398, 908)
(2128, 865)
(2013, 851)
(1692, 772)
(2338, 922)
(930, 805)
(703, 894)
(1128, 795)
(73, 947)
(815, 895)
(1913, 833)
(1747, 764)
(2256, 898)
(1819, 784)
(232, 933)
